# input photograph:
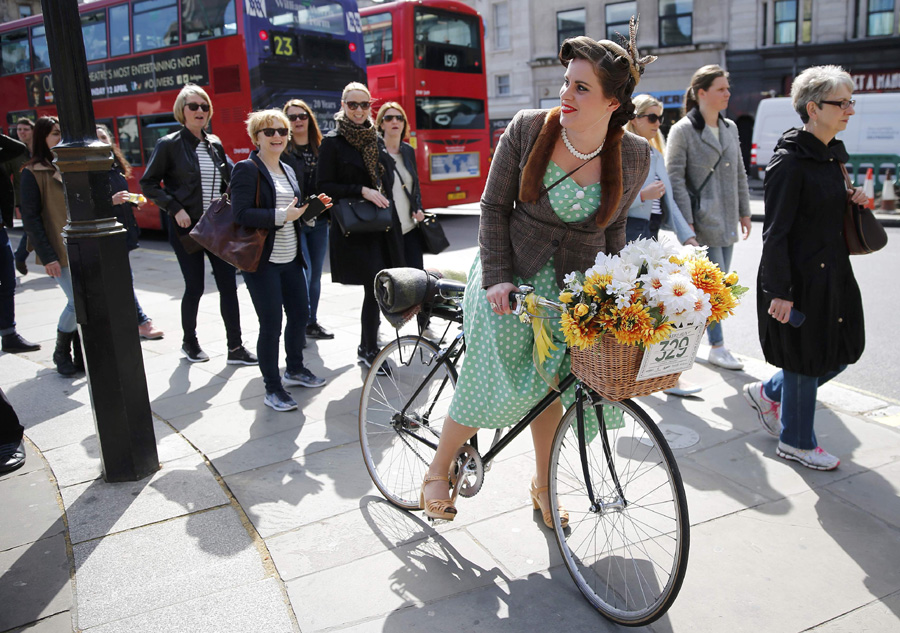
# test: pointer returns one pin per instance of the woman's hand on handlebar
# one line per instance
(375, 197)
(498, 297)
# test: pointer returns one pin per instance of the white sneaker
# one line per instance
(817, 458)
(767, 410)
(721, 357)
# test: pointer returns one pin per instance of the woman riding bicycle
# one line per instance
(539, 222)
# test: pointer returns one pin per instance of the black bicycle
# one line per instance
(626, 544)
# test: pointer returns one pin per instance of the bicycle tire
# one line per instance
(609, 548)
(393, 445)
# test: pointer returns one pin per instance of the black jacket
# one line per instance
(249, 213)
(125, 211)
(174, 162)
(805, 259)
(10, 148)
(341, 174)
(306, 172)
(409, 160)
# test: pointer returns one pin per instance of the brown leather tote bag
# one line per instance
(863, 232)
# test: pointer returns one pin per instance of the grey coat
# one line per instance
(691, 152)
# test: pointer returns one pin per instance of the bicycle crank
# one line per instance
(468, 464)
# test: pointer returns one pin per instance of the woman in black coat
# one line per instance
(265, 194)
(805, 268)
(352, 165)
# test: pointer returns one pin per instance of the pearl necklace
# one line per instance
(575, 152)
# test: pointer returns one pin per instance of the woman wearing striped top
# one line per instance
(187, 171)
(265, 194)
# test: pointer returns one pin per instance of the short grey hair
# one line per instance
(814, 85)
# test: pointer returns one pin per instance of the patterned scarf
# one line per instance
(363, 138)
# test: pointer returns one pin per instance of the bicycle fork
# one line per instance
(597, 507)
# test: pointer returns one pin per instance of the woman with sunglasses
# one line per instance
(186, 172)
(805, 268)
(703, 148)
(352, 165)
(302, 156)
(265, 194)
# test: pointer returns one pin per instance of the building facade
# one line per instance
(15, 9)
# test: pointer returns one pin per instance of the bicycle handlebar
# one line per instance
(518, 306)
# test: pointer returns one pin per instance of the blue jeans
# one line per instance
(67, 322)
(277, 287)
(638, 228)
(797, 395)
(314, 243)
(720, 255)
(7, 286)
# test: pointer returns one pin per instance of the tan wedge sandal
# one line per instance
(437, 508)
(547, 514)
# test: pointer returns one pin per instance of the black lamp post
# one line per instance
(98, 260)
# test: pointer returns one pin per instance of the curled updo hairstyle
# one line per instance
(613, 71)
(702, 80)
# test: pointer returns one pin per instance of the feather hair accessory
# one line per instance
(636, 63)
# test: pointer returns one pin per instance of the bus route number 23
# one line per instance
(675, 347)
(284, 45)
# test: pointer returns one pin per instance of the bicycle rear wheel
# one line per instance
(398, 428)
(627, 551)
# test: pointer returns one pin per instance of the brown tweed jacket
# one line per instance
(517, 238)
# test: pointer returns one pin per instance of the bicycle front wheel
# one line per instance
(627, 550)
(401, 413)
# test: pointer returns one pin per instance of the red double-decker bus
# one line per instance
(429, 57)
(247, 54)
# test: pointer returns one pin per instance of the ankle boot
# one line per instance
(77, 353)
(62, 355)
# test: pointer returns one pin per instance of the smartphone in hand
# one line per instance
(797, 318)
(315, 208)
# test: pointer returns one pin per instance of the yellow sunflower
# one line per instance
(595, 283)
(660, 333)
(578, 334)
(706, 275)
(723, 304)
(635, 325)
(566, 296)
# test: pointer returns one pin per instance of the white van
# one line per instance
(874, 129)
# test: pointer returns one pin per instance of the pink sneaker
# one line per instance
(147, 331)
(817, 458)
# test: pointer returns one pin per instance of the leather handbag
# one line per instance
(863, 233)
(434, 240)
(239, 245)
(355, 216)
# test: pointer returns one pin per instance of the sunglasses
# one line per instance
(393, 117)
(271, 131)
(356, 105)
(844, 104)
(653, 118)
(303, 116)
(193, 107)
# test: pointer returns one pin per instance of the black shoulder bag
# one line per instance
(694, 194)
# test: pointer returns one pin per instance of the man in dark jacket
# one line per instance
(12, 342)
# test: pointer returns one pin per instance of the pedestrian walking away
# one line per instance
(709, 183)
(186, 172)
(265, 194)
(582, 172)
(805, 268)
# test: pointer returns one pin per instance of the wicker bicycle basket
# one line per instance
(611, 368)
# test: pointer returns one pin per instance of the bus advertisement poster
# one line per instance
(165, 70)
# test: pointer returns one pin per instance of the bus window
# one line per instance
(378, 37)
(155, 24)
(119, 37)
(323, 17)
(14, 47)
(153, 128)
(203, 19)
(129, 142)
(93, 31)
(447, 41)
(449, 113)
(39, 52)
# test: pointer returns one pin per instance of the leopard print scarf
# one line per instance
(363, 138)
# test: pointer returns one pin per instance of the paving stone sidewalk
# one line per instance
(265, 521)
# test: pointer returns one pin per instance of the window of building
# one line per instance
(676, 22)
(569, 24)
(881, 18)
(119, 33)
(378, 38)
(14, 50)
(39, 52)
(503, 86)
(501, 25)
(155, 24)
(786, 21)
(618, 16)
(25, 11)
(129, 142)
(93, 31)
(203, 19)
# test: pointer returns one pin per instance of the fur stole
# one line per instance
(610, 169)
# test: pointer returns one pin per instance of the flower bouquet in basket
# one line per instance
(634, 321)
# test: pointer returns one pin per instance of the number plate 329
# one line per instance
(672, 355)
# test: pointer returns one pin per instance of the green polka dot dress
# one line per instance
(498, 383)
